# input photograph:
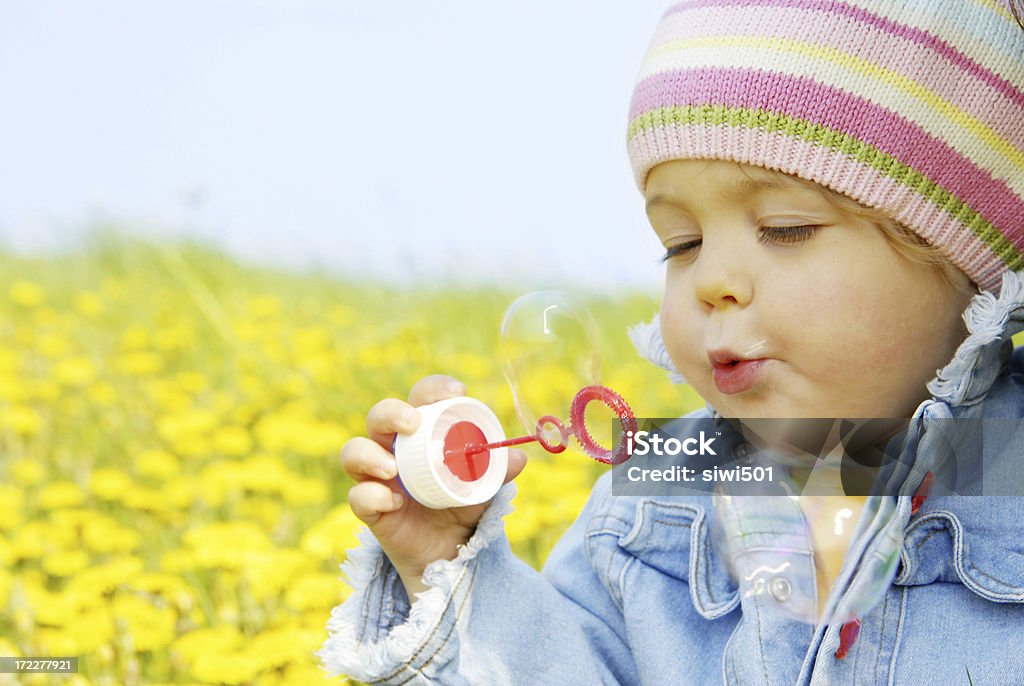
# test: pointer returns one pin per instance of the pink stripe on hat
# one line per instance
(898, 102)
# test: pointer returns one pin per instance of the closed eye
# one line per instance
(786, 235)
(768, 235)
(678, 249)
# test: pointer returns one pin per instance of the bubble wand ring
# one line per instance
(617, 404)
(577, 428)
(563, 434)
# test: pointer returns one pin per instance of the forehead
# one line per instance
(680, 180)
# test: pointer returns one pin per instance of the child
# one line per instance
(833, 183)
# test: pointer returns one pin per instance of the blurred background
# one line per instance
(405, 141)
(226, 230)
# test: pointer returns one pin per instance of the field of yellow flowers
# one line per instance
(171, 506)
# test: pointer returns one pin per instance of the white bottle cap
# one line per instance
(421, 456)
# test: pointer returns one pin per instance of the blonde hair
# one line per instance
(907, 243)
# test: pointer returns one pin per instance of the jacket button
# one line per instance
(780, 588)
(741, 451)
(847, 637)
(922, 492)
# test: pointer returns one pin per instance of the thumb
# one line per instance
(516, 463)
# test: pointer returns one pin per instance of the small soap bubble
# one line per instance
(551, 354)
(815, 458)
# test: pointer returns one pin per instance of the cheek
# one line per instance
(858, 329)
(678, 328)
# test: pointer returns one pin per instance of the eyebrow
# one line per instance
(735, 190)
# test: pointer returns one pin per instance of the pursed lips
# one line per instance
(733, 373)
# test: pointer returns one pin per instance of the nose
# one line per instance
(721, 279)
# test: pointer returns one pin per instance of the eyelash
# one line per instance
(771, 235)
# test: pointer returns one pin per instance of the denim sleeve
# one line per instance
(486, 617)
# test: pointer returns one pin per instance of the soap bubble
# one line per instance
(766, 541)
(547, 347)
(550, 352)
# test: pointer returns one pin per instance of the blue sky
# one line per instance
(400, 141)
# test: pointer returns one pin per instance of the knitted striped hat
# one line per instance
(913, 107)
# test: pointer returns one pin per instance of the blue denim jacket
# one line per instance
(635, 593)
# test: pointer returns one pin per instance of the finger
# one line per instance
(388, 417)
(516, 463)
(371, 499)
(435, 387)
(362, 459)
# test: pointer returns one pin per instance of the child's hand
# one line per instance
(411, 535)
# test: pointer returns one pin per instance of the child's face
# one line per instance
(832, 320)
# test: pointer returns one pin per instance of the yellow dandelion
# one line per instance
(262, 474)
(180, 492)
(92, 629)
(309, 674)
(287, 644)
(109, 483)
(275, 431)
(295, 385)
(55, 641)
(52, 346)
(192, 382)
(103, 393)
(105, 535)
(46, 391)
(21, 419)
(157, 464)
(219, 639)
(193, 423)
(150, 627)
(225, 668)
(12, 502)
(168, 396)
(217, 481)
(10, 361)
(103, 578)
(322, 439)
(6, 583)
(76, 371)
(263, 510)
(262, 306)
(317, 590)
(135, 338)
(226, 544)
(60, 494)
(333, 535)
(46, 607)
(178, 560)
(65, 563)
(302, 491)
(9, 648)
(371, 357)
(139, 363)
(26, 294)
(232, 441)
(170, 587)
(269, 573)
(175, 338)
(523, 527)
(142, 499)
(13, 388)
(88, 303)
(33, 540)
